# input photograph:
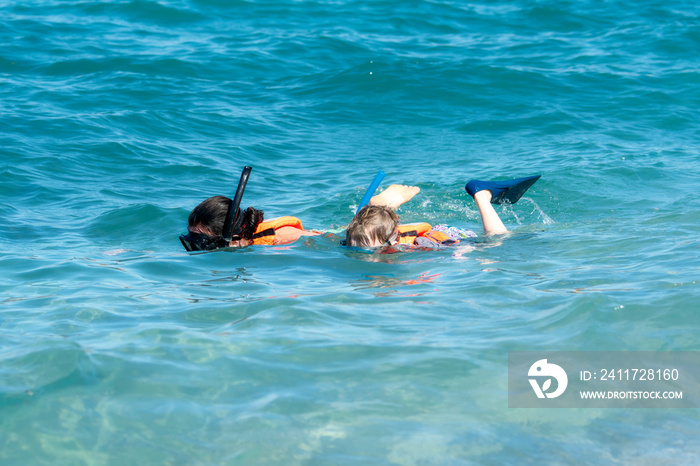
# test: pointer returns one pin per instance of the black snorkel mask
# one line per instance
(232, 224)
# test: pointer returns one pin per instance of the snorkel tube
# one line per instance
(232, 224)
(371, 190)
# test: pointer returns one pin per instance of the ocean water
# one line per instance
(118, 117)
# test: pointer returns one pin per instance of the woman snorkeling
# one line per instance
(218, 222)
(206, 222)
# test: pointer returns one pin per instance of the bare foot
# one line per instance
(395, 195)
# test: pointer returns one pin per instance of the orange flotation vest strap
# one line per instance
(265, 232)
(408, 233)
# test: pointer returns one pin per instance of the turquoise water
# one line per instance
(118, 117)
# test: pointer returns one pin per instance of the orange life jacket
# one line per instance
(265, 232)
(408, 233)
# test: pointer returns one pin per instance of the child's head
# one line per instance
(372, 226)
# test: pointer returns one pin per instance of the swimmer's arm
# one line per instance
(394, 196)
(286, 235)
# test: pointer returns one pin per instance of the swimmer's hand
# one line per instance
(395, 195)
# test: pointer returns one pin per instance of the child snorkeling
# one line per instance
(377, 225)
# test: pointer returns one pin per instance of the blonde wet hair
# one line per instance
(371, 225)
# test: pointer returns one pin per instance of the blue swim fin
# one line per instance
(504, 192)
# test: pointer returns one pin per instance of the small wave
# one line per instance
(41, 367)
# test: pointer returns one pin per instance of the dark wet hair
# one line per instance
(211, 214)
